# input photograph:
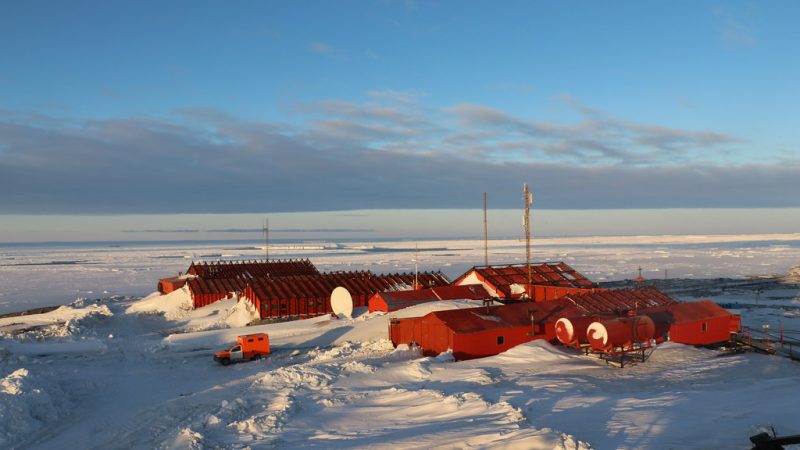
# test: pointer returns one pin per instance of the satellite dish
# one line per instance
(517, 289)
(342, 302)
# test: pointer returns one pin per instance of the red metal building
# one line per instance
(207, 291)
(167, 285)
(484, 331)
(695, 323)
(548, 281)
(309, 295)
(394, 300)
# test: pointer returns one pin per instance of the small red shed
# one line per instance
(695, 323)
(167, 285)
(394, 300)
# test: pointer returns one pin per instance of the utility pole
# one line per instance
(266, 238)
(485, 234)
(527, 197)
(416, 266)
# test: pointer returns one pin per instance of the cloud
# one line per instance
(732, 30)
(598, 138)
(328, 50)
(373, 155)
(256, 230)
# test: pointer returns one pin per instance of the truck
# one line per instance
(248, 347)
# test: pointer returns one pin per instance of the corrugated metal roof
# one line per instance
(619, 300)
(357, 283)
(402, 299)
(253, 269)
(556, 274)
(497, 317)
(687, 312)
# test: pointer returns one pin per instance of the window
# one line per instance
(705, 327)
(501, 340)
(260, 339)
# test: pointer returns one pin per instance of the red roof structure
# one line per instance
(549, 280)
(619, 300)
(253, 269)
(394, 300)
(309, 295)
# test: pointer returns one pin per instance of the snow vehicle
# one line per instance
(247, 347)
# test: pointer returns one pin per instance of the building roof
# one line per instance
(253, 269)
(215, 286)
(402, 299)
(504, 316)
(357, 283)
(619, 300)
(614, 302)
(556, 274)
(687, 312)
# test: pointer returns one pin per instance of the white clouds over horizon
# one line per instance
(391, 149)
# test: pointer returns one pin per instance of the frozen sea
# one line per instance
(34, 275)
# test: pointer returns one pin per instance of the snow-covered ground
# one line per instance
(44, 275)
(125, 370)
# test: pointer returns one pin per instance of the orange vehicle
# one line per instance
(246, 348)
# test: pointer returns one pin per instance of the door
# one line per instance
(236, 353)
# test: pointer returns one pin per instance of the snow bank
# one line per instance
(172, 306)
(26, 406)
(314, 332)
(64, 321)
(241, 314)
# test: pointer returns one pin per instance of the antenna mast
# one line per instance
(266, 238)
(485, 234)
(416, 266)
(527, 197)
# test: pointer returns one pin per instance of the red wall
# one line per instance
(435, 337)
(718, 329)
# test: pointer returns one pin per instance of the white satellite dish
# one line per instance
(342, 302)
(517, 289)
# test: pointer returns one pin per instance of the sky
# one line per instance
(148, 110)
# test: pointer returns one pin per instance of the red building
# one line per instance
(548, 281)
(210, 282)
(167, 285)
(484, 331)
(695, 323)
(394, 300)
(309, 295)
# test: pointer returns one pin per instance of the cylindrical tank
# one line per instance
(572, 330)
(621, 332)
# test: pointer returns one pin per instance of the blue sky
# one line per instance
(266, 107)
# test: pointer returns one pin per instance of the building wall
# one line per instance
(701, 332)
(428, 332)
(377, 303)
(546, 293)
(486, 343)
